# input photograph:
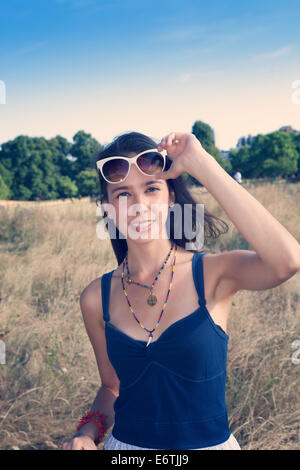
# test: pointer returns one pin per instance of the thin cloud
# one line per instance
(33, 47)
(178, 34)
(184, 78)
(273, 54)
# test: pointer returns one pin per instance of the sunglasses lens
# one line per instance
(115, 170)
(151, 163)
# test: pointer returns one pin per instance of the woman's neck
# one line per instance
(147, 259)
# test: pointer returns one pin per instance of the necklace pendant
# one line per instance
(149, 341)
(152, 299)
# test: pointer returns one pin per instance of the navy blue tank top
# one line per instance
(172, 393)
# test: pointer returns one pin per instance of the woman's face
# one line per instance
(140, 198)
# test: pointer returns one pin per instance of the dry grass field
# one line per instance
(49, 253)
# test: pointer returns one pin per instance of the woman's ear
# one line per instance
(103, 203)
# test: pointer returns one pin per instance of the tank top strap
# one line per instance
(199, 276)
(105, 293)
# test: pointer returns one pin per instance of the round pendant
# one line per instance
(152, 299)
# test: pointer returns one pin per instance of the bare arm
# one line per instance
(276, 252)
(103, 403)
(91, 307)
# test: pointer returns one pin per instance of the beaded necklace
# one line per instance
(152, 299)
(165, 303)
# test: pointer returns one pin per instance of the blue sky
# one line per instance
(113, 66)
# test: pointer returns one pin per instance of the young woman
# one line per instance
(158, 322)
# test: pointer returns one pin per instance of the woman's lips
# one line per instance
(142, 226)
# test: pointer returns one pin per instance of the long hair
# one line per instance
(135, 142)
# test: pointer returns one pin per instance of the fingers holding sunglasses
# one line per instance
(173, 143)
(169, 138)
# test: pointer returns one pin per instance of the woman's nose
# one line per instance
(141, 208)
(141, 204)
(139, 199)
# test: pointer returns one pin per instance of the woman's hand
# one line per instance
(184, 148)
(79, 443)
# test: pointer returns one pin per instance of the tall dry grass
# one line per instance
(49, 254)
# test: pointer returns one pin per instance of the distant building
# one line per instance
(288, 129)
(245, 141)
(249, 140)
(224, 154)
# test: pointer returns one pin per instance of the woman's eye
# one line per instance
(152, 187)
(121, 194)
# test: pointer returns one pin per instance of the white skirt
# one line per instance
(111, 443)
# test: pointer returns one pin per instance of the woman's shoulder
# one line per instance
(91, 297)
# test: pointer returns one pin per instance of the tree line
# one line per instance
(36, 168)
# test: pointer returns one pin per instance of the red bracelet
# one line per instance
(99, 420)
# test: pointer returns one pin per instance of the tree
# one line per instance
(274, 154)
(227, 166)
(29, 163)
(34, 168)
(239, 160)
(83, 150)
(7, 178)
(66, 187)
(60, 149)
(88, 183)
(206, 136)
(4, 190)
(296, 139)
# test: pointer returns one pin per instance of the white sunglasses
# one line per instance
(116, 169)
